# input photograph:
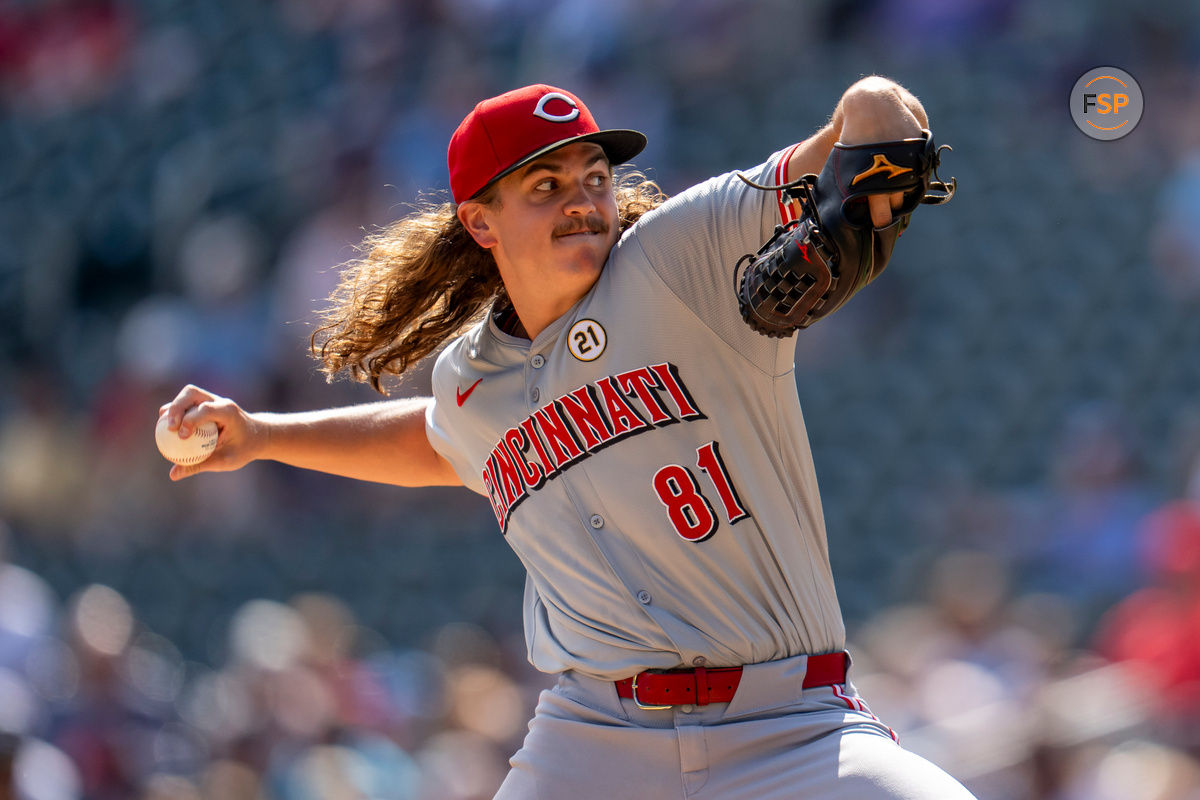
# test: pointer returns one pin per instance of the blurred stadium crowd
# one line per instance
(1006, 426)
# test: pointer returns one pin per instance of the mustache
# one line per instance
(587, 224)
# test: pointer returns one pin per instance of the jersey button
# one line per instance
(597, 521)
(537, 361)
(643, 597)
(699, 661)
(535, 395)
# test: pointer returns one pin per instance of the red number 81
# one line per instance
(688, 509)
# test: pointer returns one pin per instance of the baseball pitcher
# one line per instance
(619, 384)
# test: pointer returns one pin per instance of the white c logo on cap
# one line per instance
(540, 111)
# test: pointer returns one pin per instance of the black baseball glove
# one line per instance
(814, 264)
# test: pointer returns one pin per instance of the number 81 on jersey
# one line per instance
(687, 507)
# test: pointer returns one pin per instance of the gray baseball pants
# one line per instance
(773, 741)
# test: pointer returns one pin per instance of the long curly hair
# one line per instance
(421, 281)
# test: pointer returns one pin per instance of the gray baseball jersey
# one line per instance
(646, 455)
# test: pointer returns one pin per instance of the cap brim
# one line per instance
(619, 145)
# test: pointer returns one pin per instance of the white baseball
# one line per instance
(191, 450)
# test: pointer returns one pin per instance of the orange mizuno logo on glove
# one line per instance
(880, 164)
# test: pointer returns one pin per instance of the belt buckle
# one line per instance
(638, 703)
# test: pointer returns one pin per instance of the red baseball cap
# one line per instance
(506, 132)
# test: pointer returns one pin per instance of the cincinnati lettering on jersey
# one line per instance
(579, 423)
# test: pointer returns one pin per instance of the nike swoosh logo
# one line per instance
(462, 396)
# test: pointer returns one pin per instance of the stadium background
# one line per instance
(1006, 437)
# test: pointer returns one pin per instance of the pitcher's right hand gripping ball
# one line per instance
(814, 264)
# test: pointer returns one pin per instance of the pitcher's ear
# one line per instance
(476, 218)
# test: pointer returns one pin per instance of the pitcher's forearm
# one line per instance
(383, 442)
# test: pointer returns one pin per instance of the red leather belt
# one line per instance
(700, 686)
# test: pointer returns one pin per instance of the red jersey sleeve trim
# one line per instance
(786, 211)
